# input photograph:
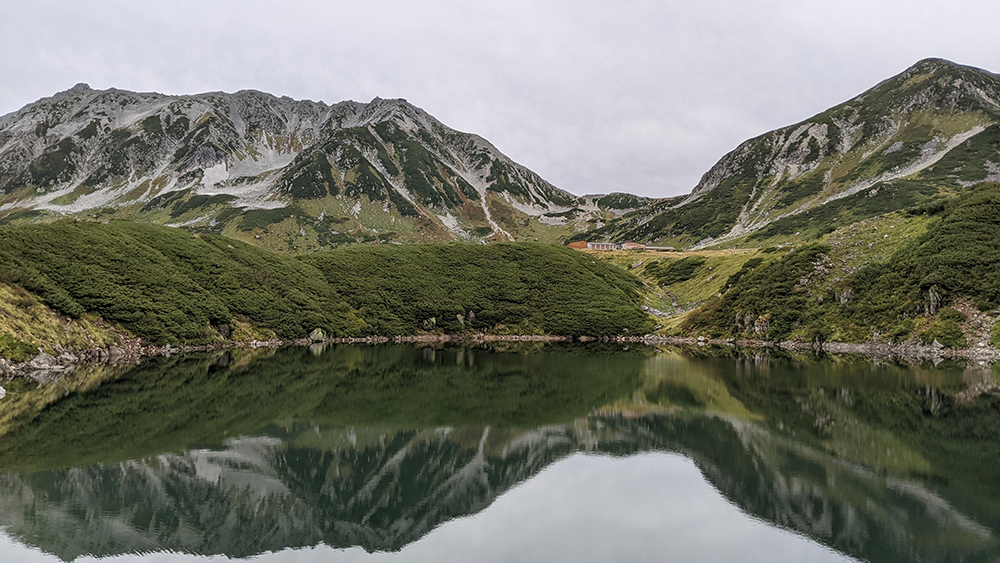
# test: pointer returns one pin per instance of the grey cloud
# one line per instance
(594, 96)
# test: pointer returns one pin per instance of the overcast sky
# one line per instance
(635, 96)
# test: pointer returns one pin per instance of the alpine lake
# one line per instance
(519, 452)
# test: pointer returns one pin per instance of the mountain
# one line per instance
(925, 134)
(286, 174)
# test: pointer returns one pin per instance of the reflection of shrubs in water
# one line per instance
(667, 393)
(172, 403)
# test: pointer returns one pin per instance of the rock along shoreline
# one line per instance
(877, 349)
(132, 352)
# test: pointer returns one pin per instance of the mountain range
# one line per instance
(302, 175)
(286, 174)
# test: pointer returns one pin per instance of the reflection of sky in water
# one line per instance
(650, 507)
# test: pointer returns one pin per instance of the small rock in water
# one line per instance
(3, 393)
(317, 335)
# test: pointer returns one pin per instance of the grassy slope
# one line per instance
(529, 288)
(873, 278)
(169, 286)
(27, 324)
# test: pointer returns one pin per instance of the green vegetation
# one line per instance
(310, 176)
(182, 402)
(421, 172)
(26, 325)
(669, 273)
(769, 302)
(16, 349)
(881, 199)
(796, 296)
(263, 218)
(527, 288)
(745, 269)
(945, 329)
(168, 286)
(621, 201)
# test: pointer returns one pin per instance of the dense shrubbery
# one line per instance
(745, 269)
(771, 293)
(15, 348)
(669, 273)
(169, 286)
(529, 288)
(958, 257)
(945, 329)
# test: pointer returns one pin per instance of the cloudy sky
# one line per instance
(637, 96)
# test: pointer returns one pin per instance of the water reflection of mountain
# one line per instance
(382, 489)
(780, 445)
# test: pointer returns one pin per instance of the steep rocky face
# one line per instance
(928, 132)
(289, 174)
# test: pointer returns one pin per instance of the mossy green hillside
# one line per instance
(526, 287)
(169, 286)
(26, 325)
(803, 295)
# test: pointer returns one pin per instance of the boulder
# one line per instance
(317, 335)
(43, 361)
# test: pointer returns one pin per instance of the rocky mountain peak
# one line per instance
(386, 170)
(926, 132)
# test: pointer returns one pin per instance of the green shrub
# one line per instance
(669, 273)
(949, 314)
(946, 332)
(770, 290)
(16, 349)
(901, 330)
(166, 285)
(169, 286)
(958, 256)
(457, 287)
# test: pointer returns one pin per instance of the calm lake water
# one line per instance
(534, 453)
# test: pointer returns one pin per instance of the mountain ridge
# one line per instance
(906, 128)
(387, 169)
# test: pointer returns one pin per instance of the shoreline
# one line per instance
(875, 350)
(132, 352)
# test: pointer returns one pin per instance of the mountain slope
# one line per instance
(927, 133)
(283, 173)
(170, 286)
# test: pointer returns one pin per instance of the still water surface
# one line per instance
(554, 453)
